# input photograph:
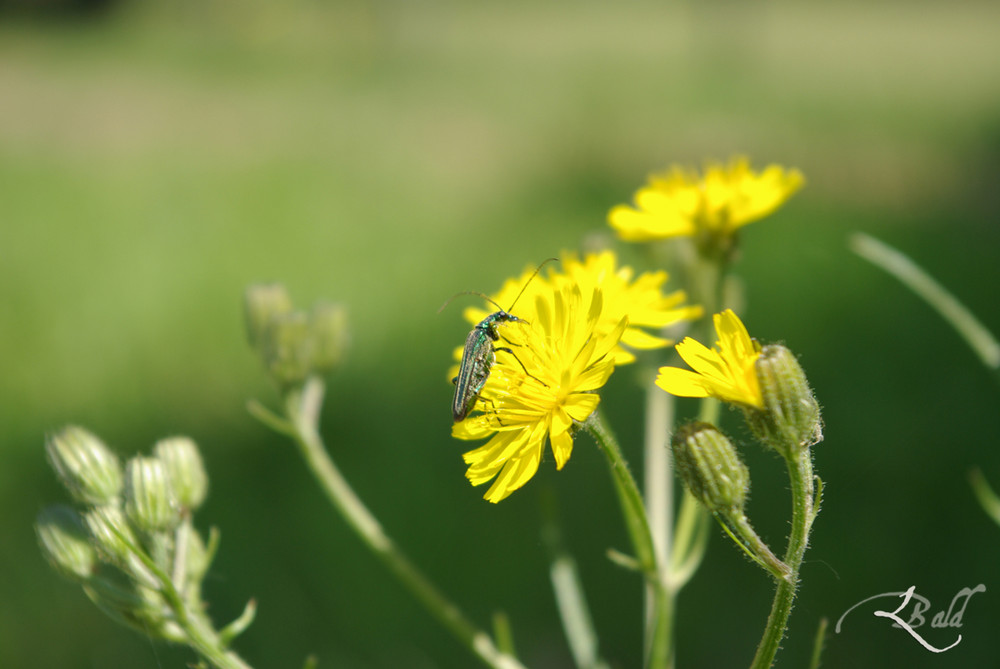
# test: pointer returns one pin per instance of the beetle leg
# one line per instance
(507, 350)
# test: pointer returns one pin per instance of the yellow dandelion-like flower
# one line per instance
(679, 203)
(726, 372)
(562, 360)
(640, 298)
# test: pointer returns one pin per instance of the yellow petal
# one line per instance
(562, 447)
(519, 469)
(579, 406)
(642, 340)
(594, 377)
(681, 382)
(640, 226)
(472, 428)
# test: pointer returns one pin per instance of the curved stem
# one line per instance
(659, 634)
(692, 534)
(197, 628)
(737, 526)
(956, 314)
(801, 480)
(302, 407)
(203, 638)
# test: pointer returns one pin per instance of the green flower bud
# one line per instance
(65, 543)
(150, 501)
(138, 606)
(184, 466)
(329, 328)
(790, 420)
(710, 467)
(289, 348)
(111, 534)
(88, 468)
(262, 302)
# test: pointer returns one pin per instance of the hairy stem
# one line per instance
(659, 632)
(801, 480)
(302, 407)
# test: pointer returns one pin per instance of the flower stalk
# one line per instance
(132, 544)
(804, 510)
(301, 423)
(659, 624)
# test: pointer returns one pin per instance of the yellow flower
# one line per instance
(565, 361)
(677, 203)
(641, 299)
(727, 372)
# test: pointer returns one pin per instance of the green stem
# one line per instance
(985, 495)
(956, 314)
(801, 480)
(818, 644)
(568, 589)
(659, 489)
(691, 534)
(302, 406)
(658, 651)
(738, 527)
(198, 630)
(203, 638)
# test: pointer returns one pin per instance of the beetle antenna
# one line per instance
(525, 286)
(469, 292)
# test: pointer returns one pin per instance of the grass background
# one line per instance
(157, 158)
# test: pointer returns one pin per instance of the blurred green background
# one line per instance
(157, 157)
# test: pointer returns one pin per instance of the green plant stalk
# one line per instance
(818, 644)
(985, 495)
(738, 527)
(203, 638)
(956, 314)
(302, 406)
(198, 629)
(568, 589)
(678, 549)
(801, 481)
(575, 613)
(691, 534)
(659, 637)
(659, 489)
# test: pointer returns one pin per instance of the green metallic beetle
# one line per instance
(480, 353)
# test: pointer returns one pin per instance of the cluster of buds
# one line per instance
(294, 344)
(788, 423)
(129, 539)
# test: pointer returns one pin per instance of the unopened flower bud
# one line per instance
(65, 542)
(329, 328)
(184, 466)
(88, 468)
(261, 303)
(140, 606)
(790, 420)
(710, 467)
(111, 534)
(150, 500)
(288, 348)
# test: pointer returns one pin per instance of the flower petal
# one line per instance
(579, 406)
(681, 382)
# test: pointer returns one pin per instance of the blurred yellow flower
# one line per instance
(566, 359)
(679, 203)
(727, 372)
(641, 299)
